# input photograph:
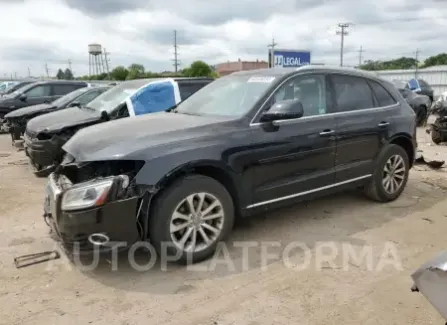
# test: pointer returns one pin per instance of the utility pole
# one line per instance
(272, 46)
(417, 59)
(342, 32)
(47, 70)
(176, 61)
(361, 55)
(69, 65)
(15, 75)
(29, 72)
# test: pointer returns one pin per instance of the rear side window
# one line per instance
(352, 93)
(189, 88)
(39, 91)
(382, 95)
(60, 90)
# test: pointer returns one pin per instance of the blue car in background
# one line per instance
(45, 135)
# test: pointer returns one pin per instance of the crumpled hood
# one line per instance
(25, 111)
(130, 136)
(58, 120)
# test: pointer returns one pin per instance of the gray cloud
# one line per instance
(202, 12)
(105, 7)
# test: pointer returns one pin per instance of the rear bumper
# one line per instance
(44, 153)
(116, 220)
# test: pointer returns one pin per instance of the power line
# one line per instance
(342, 32)
(176, 61)
(272, 46)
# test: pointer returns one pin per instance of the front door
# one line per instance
(364, 119)
(298, 155)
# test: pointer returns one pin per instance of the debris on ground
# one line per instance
(435, 164)
(31, 259)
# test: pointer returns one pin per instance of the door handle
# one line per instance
(382, 124)
(325, 133)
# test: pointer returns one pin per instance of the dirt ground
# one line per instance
(252, 292)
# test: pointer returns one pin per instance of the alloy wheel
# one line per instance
(197, 222)
(393, 174)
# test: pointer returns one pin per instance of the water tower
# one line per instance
(95, 59)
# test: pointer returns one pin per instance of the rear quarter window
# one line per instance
(382, 95)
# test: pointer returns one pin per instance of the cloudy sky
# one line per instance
(39, 32)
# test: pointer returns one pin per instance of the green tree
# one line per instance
(68, 75)
(198, 69)
(60, 74)
(440, 59)
(136, 71)
(396, 64)
(119, 73)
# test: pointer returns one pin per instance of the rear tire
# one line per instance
(181, 211)
(390, 174)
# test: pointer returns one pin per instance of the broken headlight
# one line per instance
(87, 195)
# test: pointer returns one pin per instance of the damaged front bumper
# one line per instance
(85, 223)
(43, 153)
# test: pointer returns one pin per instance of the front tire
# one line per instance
(190, 218)
(390, 174)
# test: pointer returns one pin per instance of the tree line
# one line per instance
(138, 71)
(404, 63)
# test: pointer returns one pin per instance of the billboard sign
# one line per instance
(289, 58)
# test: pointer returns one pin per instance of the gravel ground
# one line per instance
(400, 236)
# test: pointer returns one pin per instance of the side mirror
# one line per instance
(284, 110)
(75, 104)
(105, 116)
(22, 97)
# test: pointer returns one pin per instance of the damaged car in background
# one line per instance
(45, 135)
(15, 122)
(420, 103)
(437, 120)
(249, 141)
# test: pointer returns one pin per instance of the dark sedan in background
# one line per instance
(37, 93)
(16, 87)
(419, 103)
(16, 120)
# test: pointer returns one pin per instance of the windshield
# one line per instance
(233, 95)
(110, 99)
(61, 101)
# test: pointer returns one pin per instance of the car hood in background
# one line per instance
(22, 112)
(130, 136)
(58, 120)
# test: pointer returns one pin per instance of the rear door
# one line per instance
(38, 94)
(363, 122)
(61, 89)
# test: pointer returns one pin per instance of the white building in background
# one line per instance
(436, 76)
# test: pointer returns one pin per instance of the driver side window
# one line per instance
(310, 90)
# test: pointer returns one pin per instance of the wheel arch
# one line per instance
(210, 168)
(405, 141)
